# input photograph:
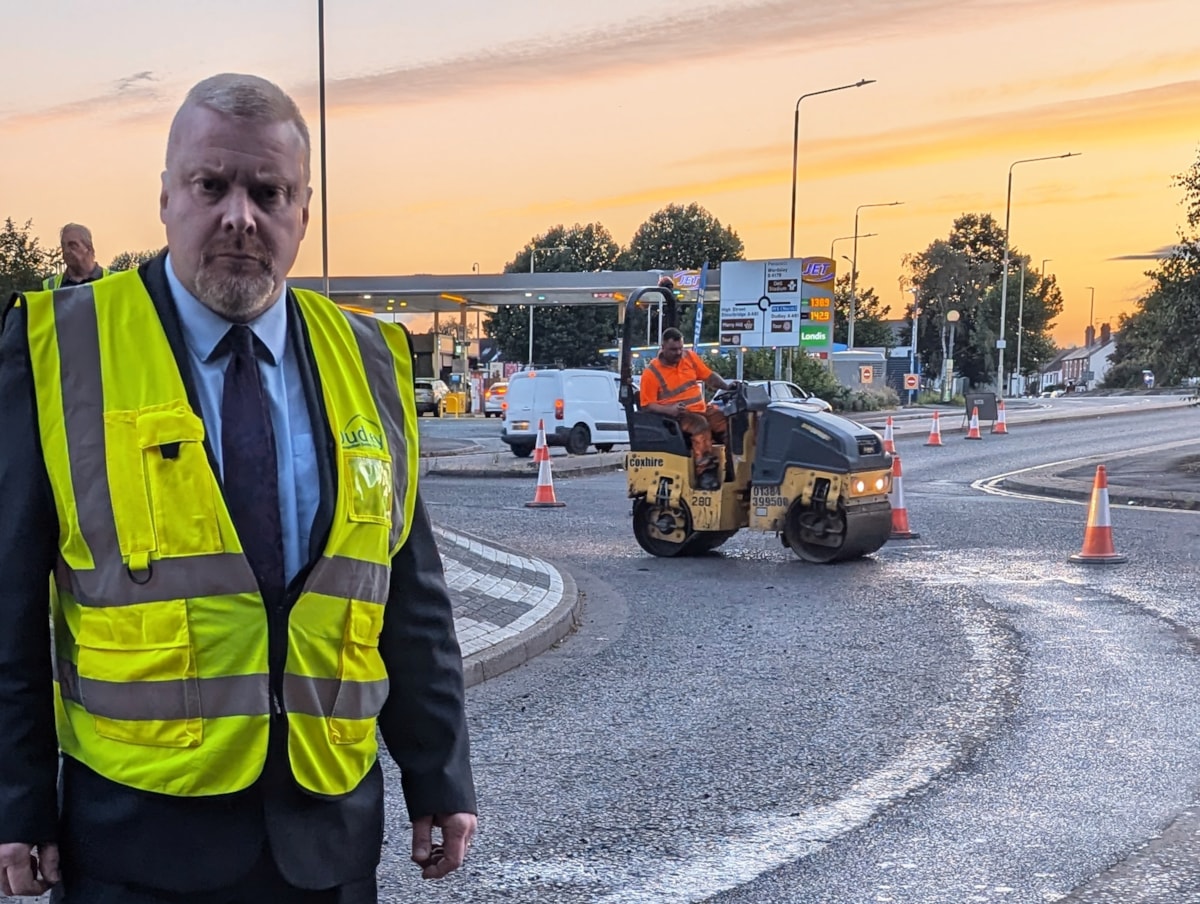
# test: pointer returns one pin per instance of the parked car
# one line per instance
(431, 396)
(493, 399)
(578, 406)
(781, 391)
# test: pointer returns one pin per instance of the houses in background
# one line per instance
(1078, 368)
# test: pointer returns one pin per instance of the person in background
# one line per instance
(220, 472)
(79, 256)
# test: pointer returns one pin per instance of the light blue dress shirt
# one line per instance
(295, 451)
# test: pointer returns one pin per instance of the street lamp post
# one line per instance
(533, 250)
(1092, 308)
(846, 238)
(854, 270)
(321, 114)
(948, 361)
(912, 345)
(1020, 328)
(1004, 272)
(796, 149)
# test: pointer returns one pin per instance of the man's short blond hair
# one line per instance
(87, 233)
(247, 97)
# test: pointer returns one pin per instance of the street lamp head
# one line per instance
(864, 81)
(952, 316)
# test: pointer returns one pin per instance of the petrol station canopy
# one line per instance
(485, 292)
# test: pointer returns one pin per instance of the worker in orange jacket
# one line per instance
(671, 386)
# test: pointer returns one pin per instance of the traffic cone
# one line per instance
(935, 431)
(973, 428)
(889, 437)
(900, 529)
(1001, 425)
(1097, 538)
(541, 452)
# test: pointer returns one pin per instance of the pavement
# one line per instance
(510, 606)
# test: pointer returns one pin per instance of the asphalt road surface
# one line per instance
(964, 717)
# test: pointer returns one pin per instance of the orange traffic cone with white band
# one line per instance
(543, 497)
(935, 431)
(1097, 537)
(889, 437)
(1001, 425)
(541, 452)
(900, 528)
(973, 429)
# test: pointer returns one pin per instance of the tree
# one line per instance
(23, 262)
(131, 260)
(870, 330)
(1163, 332)
(963, 273)
(685, 238)
(570, 335)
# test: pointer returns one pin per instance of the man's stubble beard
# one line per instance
(238, 297)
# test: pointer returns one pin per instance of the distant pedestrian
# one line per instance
(79, 256)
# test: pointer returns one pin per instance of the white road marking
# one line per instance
(764, 842)
(991, 485)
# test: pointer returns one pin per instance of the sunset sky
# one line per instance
(457, 130)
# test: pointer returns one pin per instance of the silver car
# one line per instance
(781, 391)
(431, 396)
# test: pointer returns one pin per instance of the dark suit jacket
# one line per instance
(119, 834)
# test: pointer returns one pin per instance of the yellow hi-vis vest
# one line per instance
(56, 281)
(162, 679)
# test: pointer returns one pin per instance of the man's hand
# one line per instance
(437, 861)
(22, 872)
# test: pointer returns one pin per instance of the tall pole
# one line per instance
(533, 250)
(854, 271)
(1092, 309)
(321, 102)
(796, 150)
(1021, 325)
(1004, 271)
(912, 345)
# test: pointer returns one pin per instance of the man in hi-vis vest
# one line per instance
(220, 474)
(79, 258)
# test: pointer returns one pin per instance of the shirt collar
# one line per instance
(203, 327)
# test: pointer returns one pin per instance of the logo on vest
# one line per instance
(362, 433)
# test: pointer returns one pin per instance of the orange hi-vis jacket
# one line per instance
(666, 385)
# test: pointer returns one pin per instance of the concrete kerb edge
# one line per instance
(1046, 483)
(549, 630)
(434, 467)
(1023, 424)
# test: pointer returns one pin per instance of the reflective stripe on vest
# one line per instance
(55, 282)
(689, 393)
(161, 633)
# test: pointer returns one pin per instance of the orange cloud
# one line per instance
(126, 96)
(1075, 125)
(1162, 66)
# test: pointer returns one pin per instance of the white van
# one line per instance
(578, 406)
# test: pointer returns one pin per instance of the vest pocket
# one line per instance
(362, 677)
(137, 674)
(180, 482)
(368, 480)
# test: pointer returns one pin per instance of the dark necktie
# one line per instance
(251, 476)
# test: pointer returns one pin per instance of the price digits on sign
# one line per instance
(819, 315)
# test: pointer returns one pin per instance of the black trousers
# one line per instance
(262, 885)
